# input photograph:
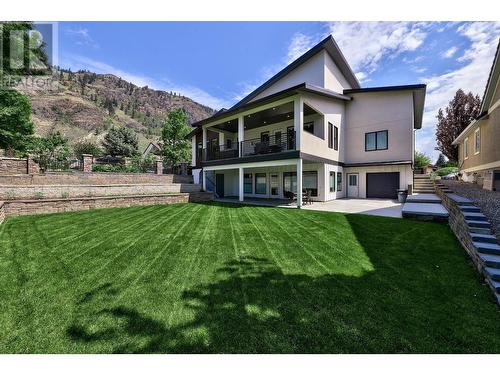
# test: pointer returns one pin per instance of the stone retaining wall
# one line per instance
(459, 227)
(2, 212)
(9, 166)
(30, 207)
(11, 192)
(94, 178)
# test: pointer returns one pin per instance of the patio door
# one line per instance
(352, 185)
(274, 184)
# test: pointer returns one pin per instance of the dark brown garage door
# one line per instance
(382, 185)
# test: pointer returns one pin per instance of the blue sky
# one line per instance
(217, 63)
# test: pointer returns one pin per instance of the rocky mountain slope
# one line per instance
(85, 105)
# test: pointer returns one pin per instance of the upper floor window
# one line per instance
(477, 141)
(335, 138)
(309, 127)
(466, 148)
(376, 141)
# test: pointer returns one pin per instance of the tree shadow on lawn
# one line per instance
(256, 308)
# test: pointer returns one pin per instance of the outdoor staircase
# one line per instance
(424, 204)
(422, 184)
(484, 242)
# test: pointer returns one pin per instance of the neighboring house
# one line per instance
(152, 148)
(313, 127)
(478, 145)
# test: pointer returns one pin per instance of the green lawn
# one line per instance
(221, 279)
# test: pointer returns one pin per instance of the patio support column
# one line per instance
(299, 183)
(204, 139)
(298, 119)
(204, 179)
(241, 134)
(240, 185)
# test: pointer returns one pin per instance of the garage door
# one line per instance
(382, 185)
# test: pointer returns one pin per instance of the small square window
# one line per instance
(376, 140)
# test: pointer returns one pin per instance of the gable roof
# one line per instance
(327, 44)
(489, 92)
(493, 77)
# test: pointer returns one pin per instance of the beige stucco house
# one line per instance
(311, 128)
(478, 144)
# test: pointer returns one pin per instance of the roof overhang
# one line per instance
(331, 48)
(418, 92)
(491, 84)
(302, 88)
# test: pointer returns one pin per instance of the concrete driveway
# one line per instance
(377, 207)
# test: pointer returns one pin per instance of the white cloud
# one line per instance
(449, 52)
(82, 37)
(471, 76)
(299, 45)
(365, 43)
(76, 62)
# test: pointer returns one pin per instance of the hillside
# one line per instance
(86, 105)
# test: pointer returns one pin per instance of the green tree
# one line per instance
(421, 160)
(50, 149)
(16, 127)
(441, 161)
(86, 146)
(121, 142)
(460, 112)
(17, 35)
(176, 148)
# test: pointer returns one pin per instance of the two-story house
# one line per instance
(478, 148)
(312, 127)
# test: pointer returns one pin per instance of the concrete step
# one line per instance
(424, 211)
(462, 201)
(479, 230)
(492, 273)
(492, 261)
(478, 224)
(478, 216)
(423, 198)
(487, 248)
(469, 208)
(421, 191)
(495, 285)
(479, 237)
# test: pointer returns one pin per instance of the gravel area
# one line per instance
(488, 201)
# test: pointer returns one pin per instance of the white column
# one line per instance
(299, 183)
(240, 186)
(204, 174)
(193, 151)
(204, 137)
(221, 139)
(298, 120)
(241, 133)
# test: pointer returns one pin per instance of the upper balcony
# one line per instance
(266, 133)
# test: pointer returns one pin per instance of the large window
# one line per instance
(332, 182)
(336, 138)
(477, 141)
(330, 135)
(310, 182)
(247, 183)
(339, 181)
(289, 182)
(260, 183)
(376, 141)
(309, 127)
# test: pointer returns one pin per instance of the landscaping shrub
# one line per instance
(115, 168)
(446, 170)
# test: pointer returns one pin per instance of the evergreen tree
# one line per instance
(441, 161)
(121, 142)
(16, 127)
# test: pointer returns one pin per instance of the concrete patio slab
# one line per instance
(377, 207)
